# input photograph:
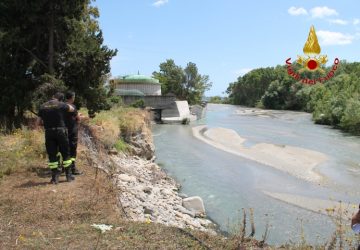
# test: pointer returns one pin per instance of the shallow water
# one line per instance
(227, 183)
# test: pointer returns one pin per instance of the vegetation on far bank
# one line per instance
(335, 102)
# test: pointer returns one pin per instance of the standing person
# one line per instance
(71, 121)
(355, 223)
(52, 114)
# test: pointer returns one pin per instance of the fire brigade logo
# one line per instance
(312, 61)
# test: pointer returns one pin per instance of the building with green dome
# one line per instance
(137, 85)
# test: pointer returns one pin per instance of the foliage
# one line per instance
(251, 87)
(121, 145)
(216, 99)
(138, 104)
(336, 102)
(185, 84)
(44, 46)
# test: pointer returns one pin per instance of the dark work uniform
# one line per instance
(56, 138)
(72, 126)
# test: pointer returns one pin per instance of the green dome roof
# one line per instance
(139, 79)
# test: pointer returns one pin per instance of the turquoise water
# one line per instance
(227, 183)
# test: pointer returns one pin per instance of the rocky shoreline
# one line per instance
(146, 192)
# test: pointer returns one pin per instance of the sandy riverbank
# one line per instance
(295, 161)
(326, 207)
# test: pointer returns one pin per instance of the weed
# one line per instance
(122, 146)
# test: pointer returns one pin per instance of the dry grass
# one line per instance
(117, 123)
(37, 215)
(22, 149)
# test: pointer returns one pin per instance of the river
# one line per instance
(227, 182)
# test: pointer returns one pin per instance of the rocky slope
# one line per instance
(146, 192)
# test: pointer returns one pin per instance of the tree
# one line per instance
(171, 78)
(215, 99)
(336, 102)
(39, 41)
(186, 84)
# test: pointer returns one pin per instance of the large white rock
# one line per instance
(127, 178)
(195, 204)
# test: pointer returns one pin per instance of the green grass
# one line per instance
(22, 149)
(122, 146)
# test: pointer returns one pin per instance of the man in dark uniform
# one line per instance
(52, 115)
(355, 224)
(71, 121)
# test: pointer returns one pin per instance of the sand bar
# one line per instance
(326, 207)
(296, 161)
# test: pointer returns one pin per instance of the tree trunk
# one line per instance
(51, 41)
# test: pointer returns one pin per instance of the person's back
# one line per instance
(71, 121)
(52, 114)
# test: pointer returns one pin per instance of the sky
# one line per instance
(225, 38)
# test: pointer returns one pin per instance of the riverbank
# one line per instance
(147, 193)
(121, 188)
(295, 161)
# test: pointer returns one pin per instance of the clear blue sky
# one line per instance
(225, 38)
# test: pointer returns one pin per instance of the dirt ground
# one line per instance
(37, 215)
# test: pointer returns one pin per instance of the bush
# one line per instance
(350, 121)
(138, 104)
(121, 145)
(119, 122)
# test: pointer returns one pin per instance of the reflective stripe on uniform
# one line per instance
(72, 159)
(67, 163)
(59, 156)
(53, 165)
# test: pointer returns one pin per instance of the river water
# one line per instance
(227, 183)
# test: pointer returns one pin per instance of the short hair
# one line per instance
(59, 96)
(69, 95)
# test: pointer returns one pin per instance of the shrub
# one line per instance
(121, 145)
(138, 104)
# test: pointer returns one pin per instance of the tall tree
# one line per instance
(186, 84)
(38, 38)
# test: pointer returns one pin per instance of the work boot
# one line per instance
(68, 174)
(74, 169)
(55, 174)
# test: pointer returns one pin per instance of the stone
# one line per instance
(147, 190)
(166, 192)
(182, 195)
(127, 178)
(195, 204)
(193, 223)
(148, 211)
(183, 210)
(113, 151)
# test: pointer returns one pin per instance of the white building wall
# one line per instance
(147, 89)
